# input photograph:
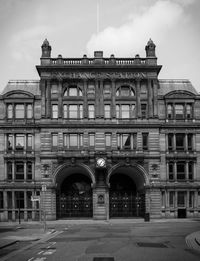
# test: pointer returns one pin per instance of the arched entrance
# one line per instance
(126, 193)
(74, 193)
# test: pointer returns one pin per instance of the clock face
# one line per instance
(101, 162)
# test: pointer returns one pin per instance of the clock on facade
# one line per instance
(101, 163)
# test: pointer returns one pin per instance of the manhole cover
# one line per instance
(103, 259)
(146, 244)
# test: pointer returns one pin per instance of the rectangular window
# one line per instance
(10, 111)
(19, 111)
(1, 199)
(180, 171)
(91, 112)
(171, 199)
(91, 139)
(125, 111)
(163, 199)
(73, 111)
(181, 199)
(144, 111)
(171, 171)
(108, 139)
(54, 88)
(10, 142)
(19, 142)
(73, 140)
(107, 111)
(29, 142)
(191, 170)
(81, 111)
(188, 111)
(117, 112)
(54, 111)
(19, 199)
(190, 137)
(170, 142)
(29, 111)
(29, 171)
(179, 111)
(127, 141)
(180, 138)
(9, 170)
(191, 199)
(65, 111)
(169, 111)
(28, 197)
(9, 199)
(145, 141)
(19, 170)
(54, 140)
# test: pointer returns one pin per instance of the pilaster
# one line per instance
(138, 98)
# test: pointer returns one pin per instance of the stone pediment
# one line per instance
(179, 95)
(18, 94)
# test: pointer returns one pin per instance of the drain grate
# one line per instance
(147, 244)
(103, 259)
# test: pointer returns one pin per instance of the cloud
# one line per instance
(25, 43)
(155, 22)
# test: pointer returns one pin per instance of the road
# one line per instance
(115, 242)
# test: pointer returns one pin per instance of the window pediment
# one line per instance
(17, 94)
(179, 95)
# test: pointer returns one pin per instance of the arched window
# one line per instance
(73, 91)
(125, 91)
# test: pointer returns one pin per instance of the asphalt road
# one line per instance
(116, 242)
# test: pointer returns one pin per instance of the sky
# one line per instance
(122, 28)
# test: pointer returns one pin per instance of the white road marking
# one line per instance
(49, 252)
(30, 259)
(40, 253)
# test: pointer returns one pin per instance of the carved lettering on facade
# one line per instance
(99, 75)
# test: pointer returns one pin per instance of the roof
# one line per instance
(31, 86)
(167, 86)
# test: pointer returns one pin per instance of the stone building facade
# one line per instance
(99, 138)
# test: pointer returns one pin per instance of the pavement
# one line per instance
(34, 232)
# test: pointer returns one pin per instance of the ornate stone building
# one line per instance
(99, 138)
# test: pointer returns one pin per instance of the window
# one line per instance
(180, 171)
(144, 111)
(191, 170)
(107, 111)
(126, 141)
(181, 199)
(54, 140)
(9, 199)
(19, 170)
(73, 111)
(73, 91)
(1, 199)
(10, 111)
(29, 142)
(180, 138)
(28, 197)
(29, 111)
(171, 171)
(9, 170)
(19, 111)
(169, 111)
(91, 112)
(170, 142)
(10, 142)
(190, 137)
(91, 89)
(163, 199)
(188, 111)
(179, 111)
(91, 139)
(145, 141)
(125, 91)
(125, 111)
(143, 92)
(108, 139)
(73, 140)
(107, 90)
(19, 142)
(29, 170)
(191, 199)
(171, 198)
(54, 111)
(19, 199)
(65, 111)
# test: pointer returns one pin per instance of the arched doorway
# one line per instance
(126, 194)
(74, 193)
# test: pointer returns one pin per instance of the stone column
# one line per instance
(48, 103)
(13, 170)
(187, 170)
(113, 104)
(43, 98)
(85, 103)
(60, 107)
(174, 142)
(150, 103)
(186, 142)
(155, 97)
(175, 170)
(138, 98)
